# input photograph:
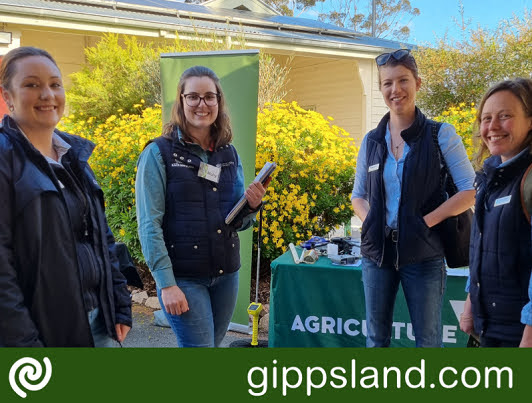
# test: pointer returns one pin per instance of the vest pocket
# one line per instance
(233, 241)
(503, 309)
(420, 234)
(188, 249)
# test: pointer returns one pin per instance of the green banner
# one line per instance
(239, 76)
(322, 305)
(273, 375)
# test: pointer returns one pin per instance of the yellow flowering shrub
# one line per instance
(311, 187)
(462, 118)
(119, 141)
(309, 194)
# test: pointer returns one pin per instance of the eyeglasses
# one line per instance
(397, 55)
(210, 99)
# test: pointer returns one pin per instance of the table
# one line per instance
(322, 305)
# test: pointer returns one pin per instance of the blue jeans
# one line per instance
(211, 302)
(98, 330)
(423, 285)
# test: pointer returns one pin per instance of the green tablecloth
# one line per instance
(322, 305)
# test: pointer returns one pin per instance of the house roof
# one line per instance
(250, 5)
(171, 15)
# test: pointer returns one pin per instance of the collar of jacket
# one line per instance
(409, 135)
(507, 172)
(185, 143)
(82, 148)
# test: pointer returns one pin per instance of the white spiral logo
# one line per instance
(32, 370)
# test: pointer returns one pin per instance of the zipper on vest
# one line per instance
(397, 243)
(397, 249)
(383, 198)
(399, 213)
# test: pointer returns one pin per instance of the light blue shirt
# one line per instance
(60, 146)
(453, 151)
(150, 197)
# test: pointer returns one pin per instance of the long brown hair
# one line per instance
(522, 89)
(221, 133)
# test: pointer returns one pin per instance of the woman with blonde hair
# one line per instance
(498, 307)
(398, 195)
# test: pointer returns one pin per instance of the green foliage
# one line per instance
(121, 70)
(463, 118)
(113, 78)
(273, 80)
(309, 194)
(119, 141)
(310, 190)
(461, 72)
(108, 103)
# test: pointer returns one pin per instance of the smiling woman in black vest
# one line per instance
(498, 308)
(187, 182)
(59, 276)
(398, 196)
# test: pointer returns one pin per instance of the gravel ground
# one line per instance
(145, 334)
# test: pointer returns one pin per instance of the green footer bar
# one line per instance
(263, 374)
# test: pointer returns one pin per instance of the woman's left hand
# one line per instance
(254, 194)
(526, 340)
(121, 331)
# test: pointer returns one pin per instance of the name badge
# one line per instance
(209, 172)
(502, 200)
(373, 168)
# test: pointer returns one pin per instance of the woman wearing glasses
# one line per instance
(397, 194)
(187, 182)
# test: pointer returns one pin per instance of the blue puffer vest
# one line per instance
(500, 251)
(199, 242)
(421, 193)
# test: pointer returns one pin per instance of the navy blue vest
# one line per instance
(421, 193)
(500, 251)
(199, 242)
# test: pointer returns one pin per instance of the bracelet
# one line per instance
(462, 316)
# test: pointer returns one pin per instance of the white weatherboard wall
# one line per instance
(340, 88)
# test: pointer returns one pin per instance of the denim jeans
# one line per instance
(98, 330)
(491, 342)
(423, 285)
(211, 302)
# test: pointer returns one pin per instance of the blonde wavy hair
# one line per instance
(522, 89)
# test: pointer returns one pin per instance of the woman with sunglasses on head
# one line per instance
(498, 307)
(398, 196)
(59, 276)
(187, 182)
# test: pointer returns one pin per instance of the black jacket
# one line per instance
(41, 302)
(500, 251)
(421, 193)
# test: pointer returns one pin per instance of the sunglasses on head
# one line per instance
(397, 55)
